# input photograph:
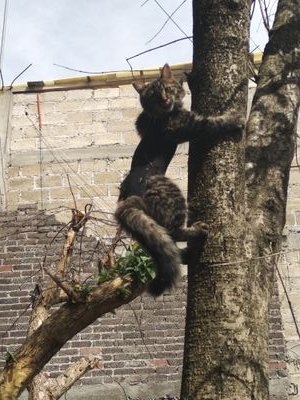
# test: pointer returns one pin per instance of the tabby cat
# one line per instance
(156, 220)
(151, 207)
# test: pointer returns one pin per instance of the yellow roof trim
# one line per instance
(110, 79)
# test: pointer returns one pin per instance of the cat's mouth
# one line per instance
(168, 104)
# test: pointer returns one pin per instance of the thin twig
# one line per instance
(266, 13)
(140, 330)
(166, 21)
(18, 76)
(174, 22)
(84, 72)
(288, 300)
(155, 48)
(71, 190)
(65, 286)
(118, 383)
(13, 324)
(264, 16)
(252, 9)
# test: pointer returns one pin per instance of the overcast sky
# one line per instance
(96, 35)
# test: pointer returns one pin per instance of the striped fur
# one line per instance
(150, 220)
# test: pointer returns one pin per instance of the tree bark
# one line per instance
(53, 388)
(229, 284)
(56, 330)
(38, 388)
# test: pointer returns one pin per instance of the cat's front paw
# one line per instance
(233, 124)
(200, 228)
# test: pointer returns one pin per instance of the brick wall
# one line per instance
(86, 137)
(140, 343)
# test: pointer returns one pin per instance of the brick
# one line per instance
(122, 102)
(106, 177)
(55, 96)
(20, 183)
(81, 94)
(23, 121)
(48, 181)
(131, 114)
(159, 362)
(106, 93)
(18, 144)
(30, 170)
(12, 172)
(45, 107)
(128, 91)
(53, 118)
(121, 164)
(94, 165)
(130, 138)
(106, 115)
(34, 196)
(5, 268)
(120, 126)
(90, 351)
(79, 117)
(62, 193)
(108, 138)
(59, 167)
(277, 365)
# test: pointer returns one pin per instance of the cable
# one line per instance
(155, 48)
(66, 162)
(55, 153)
(174, 22)
(166, 21)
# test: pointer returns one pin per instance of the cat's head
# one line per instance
(163, 95)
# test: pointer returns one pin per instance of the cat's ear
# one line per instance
(166, 72)
(139, 86)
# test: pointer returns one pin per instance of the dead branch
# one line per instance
(49, 332)
(65, 286)
(58, 328)
(63, 382)
(52, 295)
(54, 388)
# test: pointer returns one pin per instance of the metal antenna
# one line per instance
(3, 32)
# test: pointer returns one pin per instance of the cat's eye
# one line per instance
(168, 90)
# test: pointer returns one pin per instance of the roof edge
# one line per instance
(111, 79)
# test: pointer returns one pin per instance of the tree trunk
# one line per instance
(226, 343)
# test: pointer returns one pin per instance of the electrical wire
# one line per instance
(61, 158)
(174, 22)
(166, 21)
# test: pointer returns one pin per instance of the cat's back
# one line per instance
(165, 202)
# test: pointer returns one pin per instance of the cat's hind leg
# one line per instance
(199, 229)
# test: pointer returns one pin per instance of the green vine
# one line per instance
(135, 263)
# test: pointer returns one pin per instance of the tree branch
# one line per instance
(60, 385)
(63, 324)
(271, 141)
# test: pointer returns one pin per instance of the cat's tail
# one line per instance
(132, 217)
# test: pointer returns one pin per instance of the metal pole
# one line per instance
(3, 32)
